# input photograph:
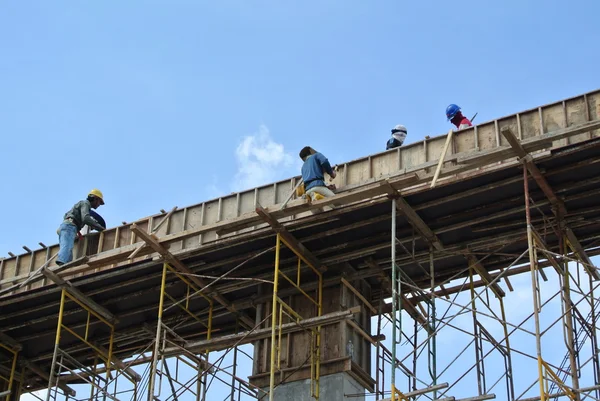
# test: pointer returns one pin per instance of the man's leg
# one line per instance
(323, 191)
(66, 241)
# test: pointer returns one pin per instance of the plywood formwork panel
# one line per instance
(357, 172)
(530, 124)
(487, 136)
(593, 107)
(413, 155)
(576, 113)
(470, 144)
(465, 142)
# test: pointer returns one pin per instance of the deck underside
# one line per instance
(482, 215)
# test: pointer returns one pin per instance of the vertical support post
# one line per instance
(13, 370)
(478, 352)
(274, 319)
(534, 288)
(510, 387)
(110, 354)
(379, 391)
(396, 291)
(158, 334)
(593, 336)
(56, 343)
(568, 318)
(93, 379)
(432, 341)
(235, 352)
(199, 380)
(318, 334)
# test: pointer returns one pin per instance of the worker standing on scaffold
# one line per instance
(74, 220)
(455, 116)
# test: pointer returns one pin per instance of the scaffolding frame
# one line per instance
(63, 361)
(551, 378)
(166, 335)
(9, 380)
(281, 308)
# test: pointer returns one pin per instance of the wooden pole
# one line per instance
(442, 156)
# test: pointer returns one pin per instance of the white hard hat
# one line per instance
(399, 128)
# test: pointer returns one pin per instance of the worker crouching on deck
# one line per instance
(74, 220)
(313, 169)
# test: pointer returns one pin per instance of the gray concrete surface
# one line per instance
(333, 388)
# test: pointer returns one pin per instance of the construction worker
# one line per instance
(398, 136)
(313, 169)
(455, 116)
(74, 220)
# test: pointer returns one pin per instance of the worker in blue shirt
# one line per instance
(313, 169)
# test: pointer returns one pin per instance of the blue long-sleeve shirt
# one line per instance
(312, 171)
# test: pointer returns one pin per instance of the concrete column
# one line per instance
(335, 387)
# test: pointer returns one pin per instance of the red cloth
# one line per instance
(459, 120)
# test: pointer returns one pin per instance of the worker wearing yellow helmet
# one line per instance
(74, 220)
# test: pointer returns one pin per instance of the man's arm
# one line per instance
(325, 164)
(86, 218)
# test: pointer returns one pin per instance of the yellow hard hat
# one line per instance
(98, 194)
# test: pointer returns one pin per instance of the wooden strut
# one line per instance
(290, 239)
(442, 157)
(178, 265)
(41, 373)
(89, 302)
(219, 343)
(158, 226)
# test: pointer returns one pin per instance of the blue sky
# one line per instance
(149, 101)
(163, 104)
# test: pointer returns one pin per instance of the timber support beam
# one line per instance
(289, 239)
(418, 223)
(40, 372)
(74, 292)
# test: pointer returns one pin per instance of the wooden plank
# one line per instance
(81, 297)
(442, 156)
(41, 373)
(589, 266)
(223, 342)
(290, 240)
(483, 273)
(534, 170)
(418, 223)
(359, 295)
(423, 391)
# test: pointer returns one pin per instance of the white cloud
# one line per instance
(261, 160)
